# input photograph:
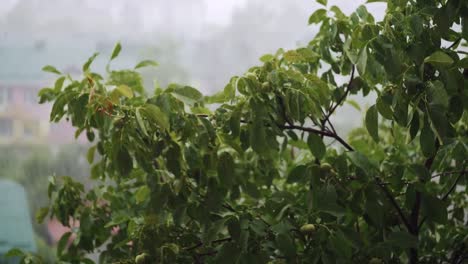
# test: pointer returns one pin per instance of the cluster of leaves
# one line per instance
(253, 181)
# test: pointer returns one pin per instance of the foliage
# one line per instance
(31, 166)
(253, 181)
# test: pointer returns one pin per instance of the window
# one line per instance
(28, 132)
(5, 96)
(30, 129)
(30, 96)
(6, 127)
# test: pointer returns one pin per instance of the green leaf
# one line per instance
(229, 253)
(285, 244)
(438, 94)
(50, 69)
(41, 214)
(403, 240)
(384, 109)
(439, 59)
(434, 208)
(316, 145)
(127, 77)
(361, 161)
(257, 130)
(146, 63)
(341, 245)
(14, 252)
(463, 63)
(188, 92)
(125, 91)
(426, 140)
(439, 120)
(414, 126)
(234, 228)
(323, 2)
(326, 201)
(155, 114)
(213, 230)
(90, 154)
(89, 61)
(362, 61)
(141, 123)
(317, 16)
(372, 123)
(123, 161)
(62, 244)
(116, 51)
(354, 104)
(267, 58)
(142, 194)
(338, 13)
(297, 174)
(226, 167)
(59, 84)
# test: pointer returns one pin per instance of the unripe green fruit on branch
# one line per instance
(375, 261)
(141, 259)
(308, 229)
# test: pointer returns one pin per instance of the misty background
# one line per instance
(201, 43)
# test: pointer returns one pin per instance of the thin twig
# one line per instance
(320, 132)
(455, 43)
(448, 172)
(392, 200)
(462, 174)
(306, 129)
(343, 97)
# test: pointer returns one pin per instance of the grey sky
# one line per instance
(211, 39)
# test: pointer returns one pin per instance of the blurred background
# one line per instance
(197, 42)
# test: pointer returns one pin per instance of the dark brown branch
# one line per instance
(343, 97)
(306, 129)
(414, 217)
(452, 188)
(455, 43)
(448, 172)
(319, 132)
(394, 203)
(229, 207)
(454, 185)
(200, 244)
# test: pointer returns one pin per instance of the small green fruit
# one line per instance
(375, 261)
(326, 167)
(141, 259)
(308, 229)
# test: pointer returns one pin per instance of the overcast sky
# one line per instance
(187, 15)
(189, 21)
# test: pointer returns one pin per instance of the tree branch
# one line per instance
(319, 132)
(392, 200)
(446, 195)
(448, 172)
(414, 217)
(454, 43)
(454, 185)
(301, 128)
(348, 88)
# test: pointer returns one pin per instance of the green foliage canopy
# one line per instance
(253, 180)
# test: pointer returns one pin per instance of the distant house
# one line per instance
(22, 119)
